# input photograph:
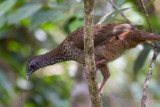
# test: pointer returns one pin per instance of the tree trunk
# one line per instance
(89, 53)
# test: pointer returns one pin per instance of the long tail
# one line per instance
(146, 36)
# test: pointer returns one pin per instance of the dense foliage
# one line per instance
(33, 27)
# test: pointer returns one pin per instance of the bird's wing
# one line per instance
(102, 33)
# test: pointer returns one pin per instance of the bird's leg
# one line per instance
(105, 72)
(97, 63)
(101, 61)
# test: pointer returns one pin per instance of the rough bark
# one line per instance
(89, 53)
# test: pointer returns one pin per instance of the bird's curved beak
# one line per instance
(28, 75)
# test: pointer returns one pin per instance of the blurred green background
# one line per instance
(33, 27)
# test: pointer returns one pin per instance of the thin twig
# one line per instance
(151, 43)
(147, 17)
(150, 70)
(144, 97)
(125, 17)
(115, 7)
(146, 14)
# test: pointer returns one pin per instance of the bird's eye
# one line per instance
(33, 65)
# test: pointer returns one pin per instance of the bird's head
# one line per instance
(33, 64)
(40, 61)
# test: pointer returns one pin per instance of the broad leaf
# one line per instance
(2, 20)
(141, 59)
(5, 83)
(42, 17)
(111, 16)
(5, 6)
(23, 12)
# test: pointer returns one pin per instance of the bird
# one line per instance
(111, 40)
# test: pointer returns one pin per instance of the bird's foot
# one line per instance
(100, 88)
(100, 94)
(97, 63)
(86, 77)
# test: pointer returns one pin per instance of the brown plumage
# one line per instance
(110, 42)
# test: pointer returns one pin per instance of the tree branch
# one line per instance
(125, 17)
(89, 53)
(144, 97)
(157, 48)
(115, 7)
(150, 70)
(146, 14)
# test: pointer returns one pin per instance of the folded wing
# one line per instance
(102, 33)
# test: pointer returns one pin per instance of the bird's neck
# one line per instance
(59, 54)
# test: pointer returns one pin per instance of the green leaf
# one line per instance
(111, 16)
(23, 12)
(5, 6)
(59, 1)
(42, 17)
(149, 4)
(60, 17)
(2, 20)
(141, 59)
(6, 84)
